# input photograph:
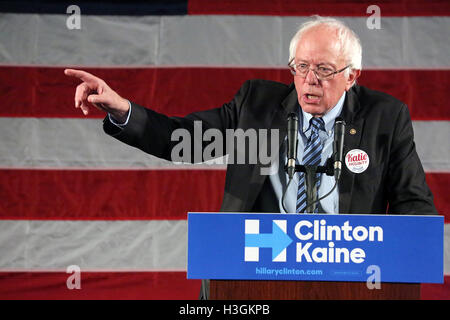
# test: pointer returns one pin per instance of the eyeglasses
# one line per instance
(321, 72)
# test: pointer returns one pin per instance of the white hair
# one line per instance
(349, 41)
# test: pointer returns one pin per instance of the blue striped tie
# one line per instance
(311, 157)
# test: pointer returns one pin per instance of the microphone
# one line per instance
(292, 139)
(338, 146)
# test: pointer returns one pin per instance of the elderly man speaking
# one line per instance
(382, 171)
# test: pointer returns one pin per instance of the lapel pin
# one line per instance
(352, 131)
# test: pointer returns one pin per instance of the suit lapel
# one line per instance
(352, 139)
(277, 120)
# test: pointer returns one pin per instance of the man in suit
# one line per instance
(325, 60)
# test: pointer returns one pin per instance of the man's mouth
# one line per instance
(311, 98)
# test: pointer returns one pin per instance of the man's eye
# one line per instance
(302, 66)
(324, 70)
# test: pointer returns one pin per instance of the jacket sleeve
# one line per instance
(151, 131)
(408, 192)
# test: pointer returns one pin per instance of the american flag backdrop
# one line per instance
(71, 195)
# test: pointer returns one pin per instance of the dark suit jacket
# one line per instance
(394, 182)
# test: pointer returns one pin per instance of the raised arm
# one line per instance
(94, 91)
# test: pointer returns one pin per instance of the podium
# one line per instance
(310, 290)
(314, 257)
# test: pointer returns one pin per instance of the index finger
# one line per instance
(82, 75)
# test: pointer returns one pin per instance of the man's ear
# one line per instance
(354, 74)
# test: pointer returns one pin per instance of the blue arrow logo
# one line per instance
(278, 240)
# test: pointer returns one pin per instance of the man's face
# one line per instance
(319, 46)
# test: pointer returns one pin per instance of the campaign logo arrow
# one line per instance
(278, 240)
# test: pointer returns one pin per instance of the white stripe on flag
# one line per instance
(402, 42)
(39, 245)
(81, 143)
(50, 245)
(433, 144)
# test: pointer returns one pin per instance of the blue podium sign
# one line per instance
(319, 247)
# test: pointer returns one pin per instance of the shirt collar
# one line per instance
(328, 118)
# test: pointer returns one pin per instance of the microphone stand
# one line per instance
(332, 167)
(310, 181)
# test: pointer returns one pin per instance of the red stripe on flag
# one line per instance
(127, 285)
(129, 195)
(47, 92)
(109, 195)
(352, 8)
(436, 291)
(98, 285)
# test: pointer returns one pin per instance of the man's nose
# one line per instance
(311, 78)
